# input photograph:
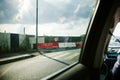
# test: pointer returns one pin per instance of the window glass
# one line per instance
(113, 49)
(115, 40)
(50, 33)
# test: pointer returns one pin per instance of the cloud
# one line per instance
(57, 2)
(8, 9)
(24, 11)
(27, 12)
(23, 8)
(73, 28)
(56, 17)
(17, 11)
(10, 28)
(64, 10)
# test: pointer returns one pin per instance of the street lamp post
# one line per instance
(36, 25)
(24, 30)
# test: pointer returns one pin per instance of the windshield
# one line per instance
(40, 37)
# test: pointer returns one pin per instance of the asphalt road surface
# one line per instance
(38, 67)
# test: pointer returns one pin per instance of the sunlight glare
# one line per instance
(24, 6)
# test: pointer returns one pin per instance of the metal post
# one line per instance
(36, 25)
(24, 30)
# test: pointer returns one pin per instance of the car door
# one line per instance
(96, 39)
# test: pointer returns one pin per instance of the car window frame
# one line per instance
(104, 20)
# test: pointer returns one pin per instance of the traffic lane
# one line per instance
(69, 56)
(33, 68)
(30, 69)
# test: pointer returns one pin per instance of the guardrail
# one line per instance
(59, 45)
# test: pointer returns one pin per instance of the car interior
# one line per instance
(57, 35)
(91, 65)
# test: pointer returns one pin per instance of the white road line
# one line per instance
(65, 54)
(62, 55)
(54, 54)
(72, 56)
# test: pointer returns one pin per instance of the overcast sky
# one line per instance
(56, 17)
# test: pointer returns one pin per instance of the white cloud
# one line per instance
(24, 6)
(72, 28)
(60, 17)
(77, 9)
(10, 28)
(1, 14)
(56, 2)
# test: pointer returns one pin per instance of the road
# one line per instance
(38, 67)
